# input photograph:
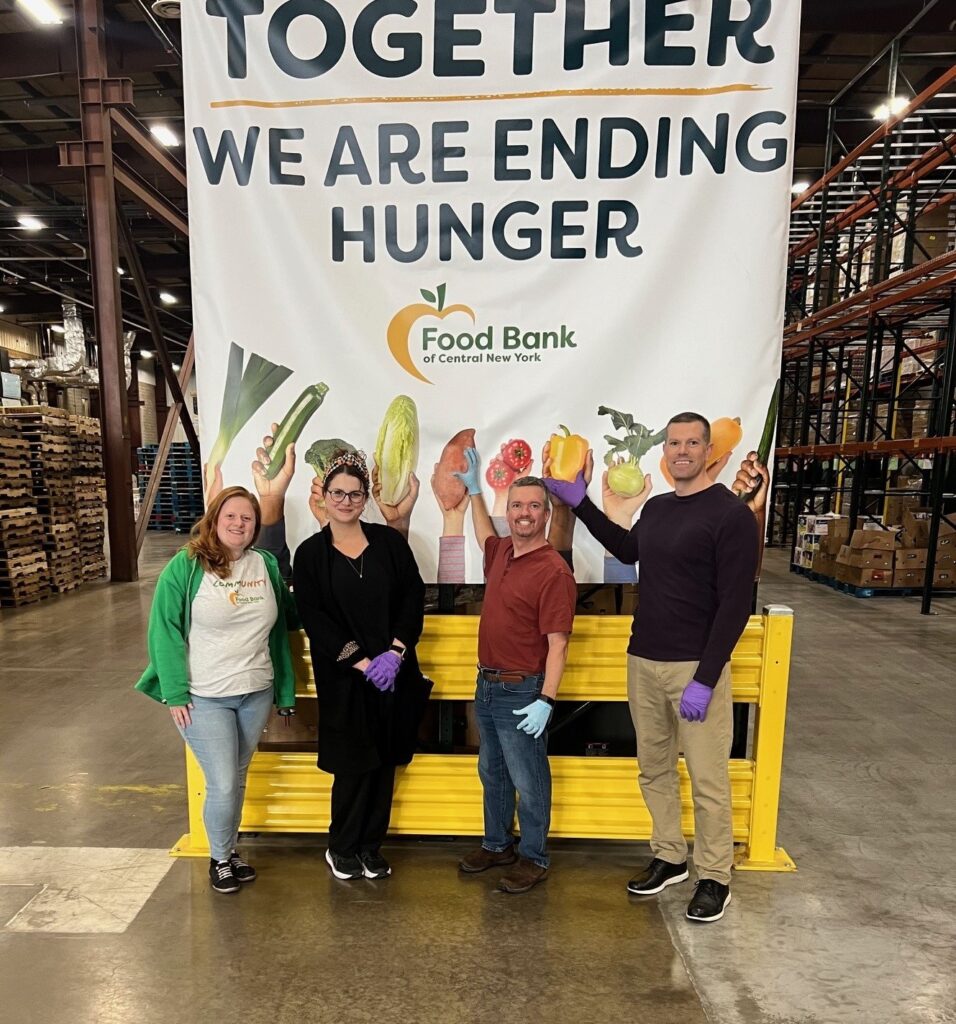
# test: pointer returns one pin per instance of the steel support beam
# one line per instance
(162, 453)
(159, 342)
(96, 91)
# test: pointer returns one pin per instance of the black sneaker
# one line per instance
(709, 901)
(222, 877)
(374, 865)
(657, 876)
(244, 872)
(345, 868)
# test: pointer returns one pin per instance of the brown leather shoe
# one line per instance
(524, 877)
(483, 859)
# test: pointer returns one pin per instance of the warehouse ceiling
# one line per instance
(39, 109)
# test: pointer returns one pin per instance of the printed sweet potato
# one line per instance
(448, 488)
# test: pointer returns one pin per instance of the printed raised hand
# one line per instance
(622, 510)
(398, 516)
(752, 474)
(453, 519)
(272, 492)
(317, 502)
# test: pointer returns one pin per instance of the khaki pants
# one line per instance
(654, 690)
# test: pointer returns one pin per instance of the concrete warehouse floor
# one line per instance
(98, 924)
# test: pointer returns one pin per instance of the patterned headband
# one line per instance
(347, 460)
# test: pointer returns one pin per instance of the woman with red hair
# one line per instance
(219, 658)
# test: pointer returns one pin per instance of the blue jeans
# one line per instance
(509, 760)
(223, 735)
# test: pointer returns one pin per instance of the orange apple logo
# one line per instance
(401, 325)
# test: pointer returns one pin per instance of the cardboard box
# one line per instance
(945, 561)
(896, 506)
(870, 558)
(832, 543)
(859, 577)
(909, 577)
(916, 523)
(824, 564)
(883, 540)
(911, 558)
(944, 578)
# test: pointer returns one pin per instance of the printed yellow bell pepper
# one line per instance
(568, 454)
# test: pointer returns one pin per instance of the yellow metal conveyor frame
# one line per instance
(593, 797)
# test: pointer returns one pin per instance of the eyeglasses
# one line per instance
(353, 497)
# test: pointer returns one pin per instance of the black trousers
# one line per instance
(361, 807)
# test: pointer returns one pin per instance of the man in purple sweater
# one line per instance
(698, 549)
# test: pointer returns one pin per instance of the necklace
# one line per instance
(357, 569)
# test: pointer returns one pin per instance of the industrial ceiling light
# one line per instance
(893, 106)
(58, 328)
(42, 11)
(161, 133)
(146, 354)
(120, 271)
(2, 308)
(176, 367)
(29, 223)
(167, 299)
(799, 187)
(166, 8)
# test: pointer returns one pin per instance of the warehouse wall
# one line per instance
(20, 342)
(147, 395)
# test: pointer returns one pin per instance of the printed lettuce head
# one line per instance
(396, 450)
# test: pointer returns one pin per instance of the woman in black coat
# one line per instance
(361, 600)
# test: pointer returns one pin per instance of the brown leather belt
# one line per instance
(491, 675)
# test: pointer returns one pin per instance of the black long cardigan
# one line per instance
(349, 704)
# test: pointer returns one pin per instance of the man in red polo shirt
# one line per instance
(526, 619)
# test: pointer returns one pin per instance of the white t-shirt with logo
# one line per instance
(229, 631)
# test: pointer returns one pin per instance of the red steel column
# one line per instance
(101, 214)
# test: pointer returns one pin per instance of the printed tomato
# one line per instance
(517, 454)
(499, 474)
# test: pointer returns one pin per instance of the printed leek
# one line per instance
(245, 393)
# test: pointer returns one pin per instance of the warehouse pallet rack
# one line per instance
(179, 500)
(868, 405)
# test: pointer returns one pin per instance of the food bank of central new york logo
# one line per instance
(409, 331)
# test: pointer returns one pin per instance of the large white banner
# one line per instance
(513, 213)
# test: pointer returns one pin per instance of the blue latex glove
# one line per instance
(383, 669)
(570, 494)
(536, 721)
(695, 700)
(471, 478)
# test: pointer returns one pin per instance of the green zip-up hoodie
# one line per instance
(167, 678)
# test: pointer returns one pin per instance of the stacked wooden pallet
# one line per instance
(89, 493)
(51, 462)
(16, 489)
(23, 565)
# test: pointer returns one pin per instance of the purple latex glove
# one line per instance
(383, 669)
(570, 494)
(695, 700)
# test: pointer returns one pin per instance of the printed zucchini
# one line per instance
(766, 438)
(293, 424)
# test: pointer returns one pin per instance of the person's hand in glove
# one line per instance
(383, 669)
(537, 718)
(471, 477)
(695, 700)
(570, 494)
